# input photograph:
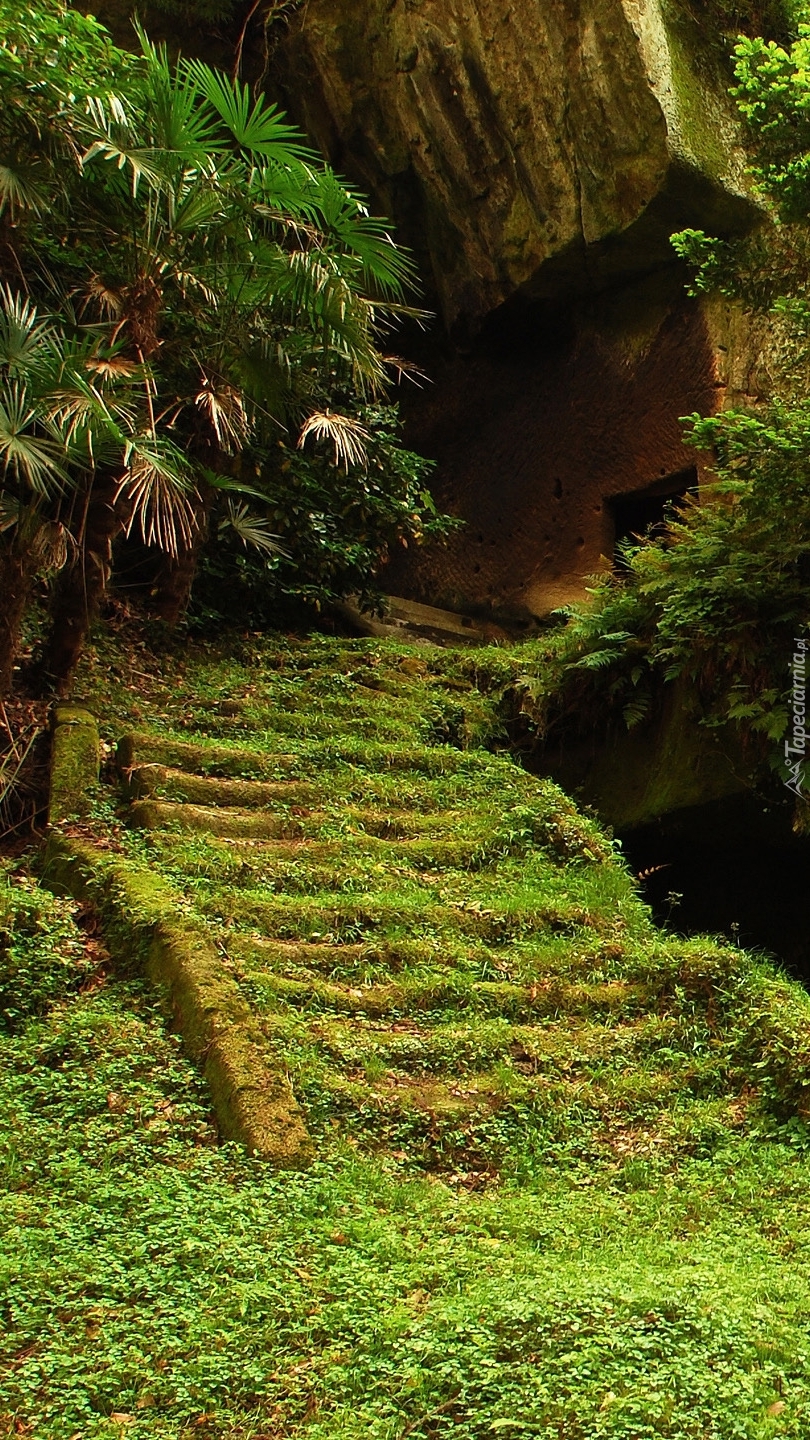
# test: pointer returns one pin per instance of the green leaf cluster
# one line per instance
(719, 598)
(190, 296)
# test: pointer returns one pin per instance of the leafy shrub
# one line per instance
(42, 958)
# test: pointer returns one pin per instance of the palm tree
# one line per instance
(238, 285)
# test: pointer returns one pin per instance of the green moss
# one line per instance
(160, 782)
(160, 814)
(74, 764)
(148, 925)
(545, 1132)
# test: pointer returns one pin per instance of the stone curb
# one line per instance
(75, 758)
(143, 921)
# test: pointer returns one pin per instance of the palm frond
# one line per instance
(111, 367)
(347, 435)
(229, 483)
(405, 369)
(143, 162)
(224, 408)
(159, 489)
(256, 126)
(92, 422)
(25, 340)
(177, 120)
(387, 268)
(20, 189)
(110, 302)
(197, 208)
(9, 512)
(252, 530)
(35, 459)
(306, 286)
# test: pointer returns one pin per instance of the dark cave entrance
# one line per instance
(641, 512)
(733, 868)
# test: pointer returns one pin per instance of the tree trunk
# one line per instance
(16, 578)
(82, 585)
(172, 591)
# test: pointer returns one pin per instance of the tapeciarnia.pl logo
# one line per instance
(796, 743)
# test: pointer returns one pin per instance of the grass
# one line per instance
(562, 1165)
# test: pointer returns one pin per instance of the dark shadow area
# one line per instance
(645, 511)
(734, 869)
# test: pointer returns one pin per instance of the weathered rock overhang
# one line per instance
(537, 157)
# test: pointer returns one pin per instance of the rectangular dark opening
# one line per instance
(643, 512)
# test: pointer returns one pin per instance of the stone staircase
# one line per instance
(447, 962)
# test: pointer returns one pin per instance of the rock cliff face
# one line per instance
(539, 145)
(537, 156)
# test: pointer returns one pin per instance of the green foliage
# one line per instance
(721, 600)
(214, 292)
(547, 1133)
(334, 526)
(42, 959)
(772, 93)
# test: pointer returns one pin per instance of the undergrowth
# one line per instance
(562, 1163)
(158, 1284)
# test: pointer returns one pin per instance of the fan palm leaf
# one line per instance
(252, 530)
(158, 487)
(347, 435)
(34, 459)
(26, 341)
(255, 125)
(21, 187)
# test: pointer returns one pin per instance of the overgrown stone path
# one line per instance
(442, 957)
(510, 1158)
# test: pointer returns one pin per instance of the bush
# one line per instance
(42, 957)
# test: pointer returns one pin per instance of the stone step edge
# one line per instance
(228, 823)
(142, 920)
(494, 998)
(138, 747)
(165, 783)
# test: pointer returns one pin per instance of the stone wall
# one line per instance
(537, 156)
(536, 434)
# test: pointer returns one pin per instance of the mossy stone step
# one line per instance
(201, 758)
(359, 963)
(379, 915)
(161, 782)
(242, 824)
(432, 991)
(311, 852)
(375, 956)
(465, 1043)
(452, 1116)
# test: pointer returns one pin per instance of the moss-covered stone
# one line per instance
(75, 755)
(208, 820)
(636, 776)
(135, 750)
(163, 783)
(146, 924)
